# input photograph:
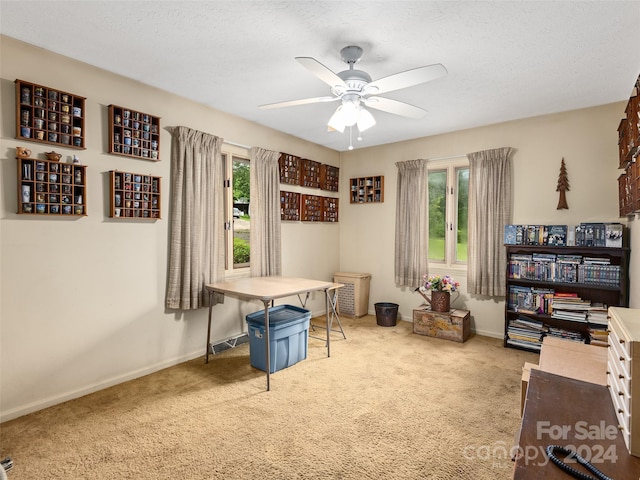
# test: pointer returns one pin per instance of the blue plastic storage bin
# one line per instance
(288, 335)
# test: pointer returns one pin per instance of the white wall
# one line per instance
(587, 139)
(83, 299)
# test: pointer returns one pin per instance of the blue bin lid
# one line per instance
(279, 315)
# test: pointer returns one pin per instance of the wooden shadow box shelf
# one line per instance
(134, 195)
(134, 134)
(48, 115)
(367, 189)
(289, 169)
(289, 206)
(51, 188)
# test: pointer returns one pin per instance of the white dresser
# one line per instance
(622, 365)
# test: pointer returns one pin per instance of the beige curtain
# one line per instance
(196, 243)
(265, 213)
(490, 207)
(412, 223)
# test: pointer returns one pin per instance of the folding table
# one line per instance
(267, 289)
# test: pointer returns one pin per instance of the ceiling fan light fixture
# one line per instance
(366, 120)
(337, 121)
(350, 112)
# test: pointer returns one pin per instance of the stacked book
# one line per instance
(526, 332)
(598, 324)
(565, 334)
(568, 306)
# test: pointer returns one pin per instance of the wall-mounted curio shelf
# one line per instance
(134, 134)
(289, 169)
(310, 208)
(309, 173)
(48, 115)
(329, 209)
(134, 195)
(367, 189)
(329, 177)
(289, 206)
(51, 188)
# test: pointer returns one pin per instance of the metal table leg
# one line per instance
(268, 345)
(206, 357)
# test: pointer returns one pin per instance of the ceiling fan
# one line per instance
(355, 89)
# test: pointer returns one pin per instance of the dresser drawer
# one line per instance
(620, 389)
(619, 372)
(622, 411)
(620, 352)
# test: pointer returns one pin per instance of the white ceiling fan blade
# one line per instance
(322, 72)
(406, 79)
(395, 107)
(293, 103)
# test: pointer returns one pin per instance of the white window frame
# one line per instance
(229, 152)
(451, 166)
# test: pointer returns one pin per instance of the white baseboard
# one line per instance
(57, 399)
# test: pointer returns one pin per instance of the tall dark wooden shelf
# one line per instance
(609, 295)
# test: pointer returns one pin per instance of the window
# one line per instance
(448, 211)
(238, 221)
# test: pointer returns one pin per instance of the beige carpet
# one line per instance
(387, 404)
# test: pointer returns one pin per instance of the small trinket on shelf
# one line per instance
(76, 160)
(23, 152)
(53, 156)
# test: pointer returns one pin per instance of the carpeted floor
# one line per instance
(386, 404)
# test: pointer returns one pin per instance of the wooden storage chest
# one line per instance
(452, 325)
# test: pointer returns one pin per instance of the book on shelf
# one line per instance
(599, 234)
(613, 235)
(557, 235)
(586, 234)
(510, 235)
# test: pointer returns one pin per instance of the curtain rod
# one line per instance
(447, 158)
(234, 144)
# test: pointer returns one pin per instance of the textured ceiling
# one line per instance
(506, 60)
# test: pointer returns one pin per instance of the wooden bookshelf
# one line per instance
(523, 275)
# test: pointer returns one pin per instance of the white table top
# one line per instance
(267, 288)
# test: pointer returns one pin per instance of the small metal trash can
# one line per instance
(386, 314)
